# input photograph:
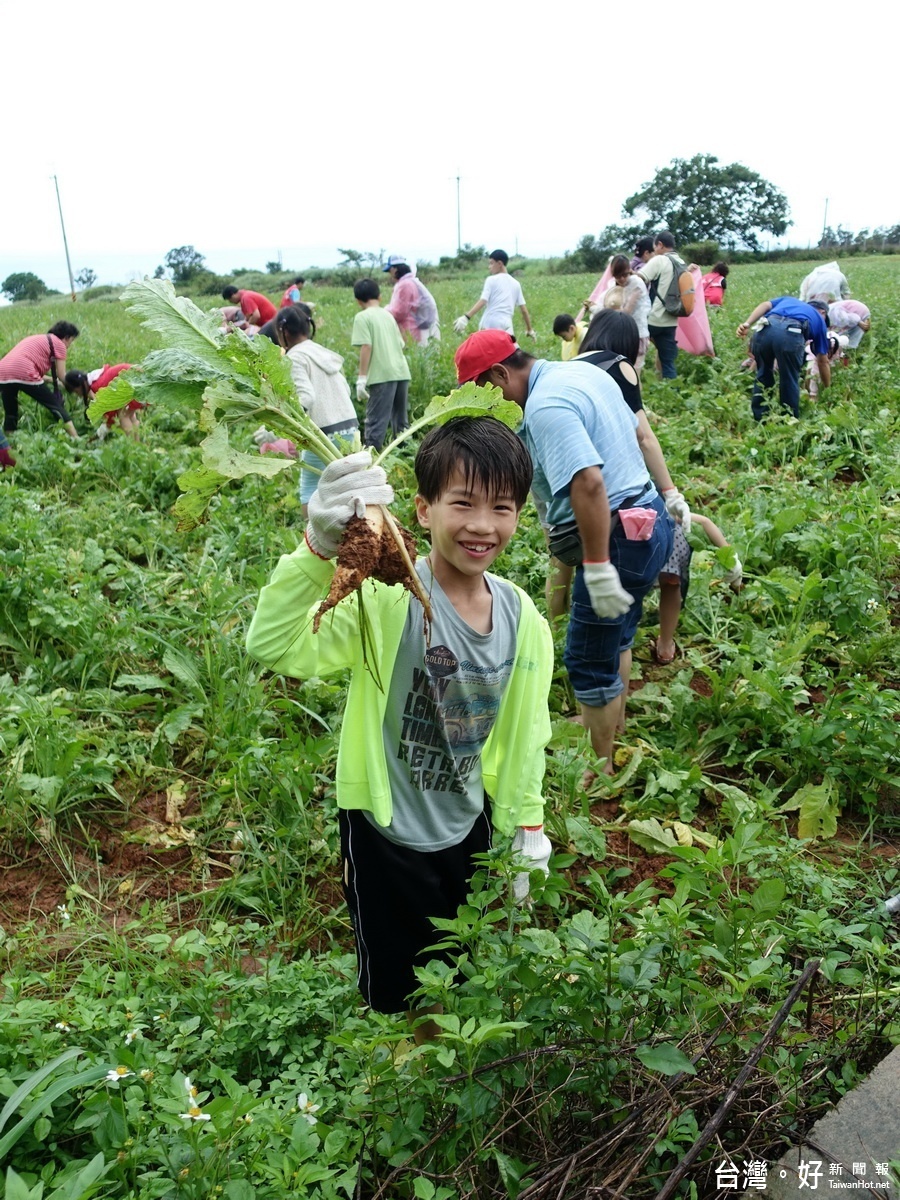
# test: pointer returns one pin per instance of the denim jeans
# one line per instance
(593, 644)
(663, 338)
(783, 339)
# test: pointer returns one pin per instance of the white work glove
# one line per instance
(533, 846)
(608, 597)
(677, 508)
(263, 435)
(735, 575)
(460, 323)
(362, 392)
(531, 333)
(345, 488)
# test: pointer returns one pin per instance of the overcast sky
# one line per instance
(250, 130)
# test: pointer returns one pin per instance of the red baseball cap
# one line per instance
(481, 351)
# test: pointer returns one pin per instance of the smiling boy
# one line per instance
(453, 745)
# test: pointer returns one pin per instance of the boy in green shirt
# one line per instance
(383, 381)
(452, 745)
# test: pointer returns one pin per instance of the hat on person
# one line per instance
(500, 256)
(395, 260)
(481, 351)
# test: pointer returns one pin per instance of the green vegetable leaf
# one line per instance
(113, 397)
(651, 836)
(818, 807)
(468, 401)
(180, 322)
(666, 1059)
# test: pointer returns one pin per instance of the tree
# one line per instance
(274, 267)
(86, 278)
(160, 272)
(184, 262)
(699, 199)
(23, 285)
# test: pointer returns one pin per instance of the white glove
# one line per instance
(531, 333)
(534, 847)
(362, 392)
(608, 597)
(263, 435)
(345, 488)
(734, 576)
(460, 323)
(677, 508)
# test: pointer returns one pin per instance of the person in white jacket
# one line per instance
(826, 282)
(318, 375)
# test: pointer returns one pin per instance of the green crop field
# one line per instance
(179, 1014)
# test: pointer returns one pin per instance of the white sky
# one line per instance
(249, 129)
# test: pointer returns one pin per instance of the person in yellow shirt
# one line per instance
(572, 333)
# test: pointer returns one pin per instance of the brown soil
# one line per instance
(149, 854)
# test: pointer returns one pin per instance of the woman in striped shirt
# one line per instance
(24, 369)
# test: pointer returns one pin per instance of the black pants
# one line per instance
(391, 892)
(40, 392)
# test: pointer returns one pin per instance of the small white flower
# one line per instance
(194, 1114)
(307, 1108)
(131, 1035)
(63, 1026)
(754, 451)
(146, 1075)
(189, 1088)
(118, 1074)
(871, 606)
(64, 914)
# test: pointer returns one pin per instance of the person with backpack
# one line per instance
(672, 293)
(412, 305)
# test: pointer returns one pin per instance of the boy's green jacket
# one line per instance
(281, 637)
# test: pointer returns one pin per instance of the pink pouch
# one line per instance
(638, 523)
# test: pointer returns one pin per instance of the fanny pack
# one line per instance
(564, 540)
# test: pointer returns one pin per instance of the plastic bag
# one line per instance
(693, 334)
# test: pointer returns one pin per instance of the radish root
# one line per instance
(373, 547)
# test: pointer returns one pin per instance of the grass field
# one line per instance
(173, 940)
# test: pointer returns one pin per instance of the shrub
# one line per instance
(705, 253)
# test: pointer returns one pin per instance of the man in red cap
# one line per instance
(603, 510)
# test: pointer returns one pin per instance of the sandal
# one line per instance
(663, 660)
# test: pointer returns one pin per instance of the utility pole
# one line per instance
(825, 219)
(458, 221)
(65, 242)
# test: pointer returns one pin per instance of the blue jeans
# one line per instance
(593, 644)
(783, 339)
(663, 338)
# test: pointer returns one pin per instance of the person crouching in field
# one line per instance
(88, 385)
(24, 368)
(454, 744)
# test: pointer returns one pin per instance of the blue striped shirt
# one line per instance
(575, 417)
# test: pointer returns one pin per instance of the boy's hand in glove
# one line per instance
(532, 845)
(460, 323)
(608, 597)
(345, 488)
